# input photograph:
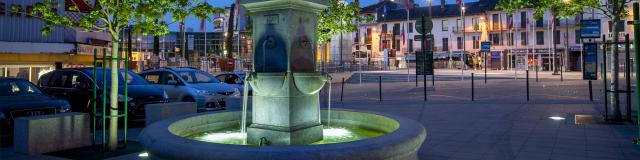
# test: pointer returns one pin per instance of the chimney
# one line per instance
(443, 3)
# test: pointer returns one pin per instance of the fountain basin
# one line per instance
(167, 139)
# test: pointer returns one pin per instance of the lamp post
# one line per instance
(462, 64)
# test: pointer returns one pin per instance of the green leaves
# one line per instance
(564, 8)
(114, 16)
(339, 17)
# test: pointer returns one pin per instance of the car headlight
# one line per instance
(121, 98)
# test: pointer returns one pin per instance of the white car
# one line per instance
(192, 85)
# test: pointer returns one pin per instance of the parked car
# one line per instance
(235, 79)
(191, 85)
(76, 86)
(20, 98)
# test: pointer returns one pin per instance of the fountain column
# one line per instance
(285, 81)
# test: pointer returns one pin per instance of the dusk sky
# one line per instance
(195, 23)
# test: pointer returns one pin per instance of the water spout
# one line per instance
(245, 98)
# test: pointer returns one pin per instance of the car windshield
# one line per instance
(198, 77)
(15, 88)
(132, 78)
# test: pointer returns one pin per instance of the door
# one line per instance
(175, 91)
(78, 88)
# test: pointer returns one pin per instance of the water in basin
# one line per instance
(335, 134)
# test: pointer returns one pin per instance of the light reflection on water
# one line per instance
(335, 134)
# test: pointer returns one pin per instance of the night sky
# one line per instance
(195, 23)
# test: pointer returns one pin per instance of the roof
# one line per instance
(437, 11)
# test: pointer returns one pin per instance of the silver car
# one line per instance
(192, 85)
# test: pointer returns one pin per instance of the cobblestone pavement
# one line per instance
(500, 123)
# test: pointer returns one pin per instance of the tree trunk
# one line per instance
(614, 96)
(229, 39)
(113, 111)
(156, 51)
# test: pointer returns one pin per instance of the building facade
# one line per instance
(518, 40)
(26, 53)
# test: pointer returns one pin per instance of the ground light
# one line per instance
(143, 154)
(557, 118)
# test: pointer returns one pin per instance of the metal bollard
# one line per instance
(380, 87)
(342, 90)
(473, 96)
(590, 91)
(527, 85)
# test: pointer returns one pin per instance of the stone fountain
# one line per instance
(285, 121)
(286, 106)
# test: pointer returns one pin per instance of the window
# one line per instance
(459, 42)
(475, 42)
(540, 23)
(198, 77)
(357, 37)
(510, 42)
(384, 28)
(445, 25)
(13, 88)
(539, 38)
(556, 37)
(523, 19)
(153, 77)
(495, 39)
(496, 21)
(458, 25)
(523, 38)
(474, 23)
(620, 26)
(2, 9)
(510, 21)
(445, 44)
(578, 38)
(410, 28)
(168, 76)
(396, 44)
(367, 38)
(396, 29)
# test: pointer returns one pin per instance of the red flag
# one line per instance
(459, 2)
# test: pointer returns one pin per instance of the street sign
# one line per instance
(590, 60)
(428, 25)
(424, 63)
(486, 47)
(590, 28)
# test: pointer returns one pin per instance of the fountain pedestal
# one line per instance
(286, 106)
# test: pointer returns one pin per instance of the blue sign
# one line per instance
(590, 28)
(486, 47)
(495, 54)
(590, 59)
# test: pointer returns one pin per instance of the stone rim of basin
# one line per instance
(403, 142)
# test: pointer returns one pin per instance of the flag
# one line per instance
(404, 37)
(511, 24)
(459, 2)
(407, 5)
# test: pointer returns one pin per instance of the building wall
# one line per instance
(24, 28)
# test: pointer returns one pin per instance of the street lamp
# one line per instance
(462, 64)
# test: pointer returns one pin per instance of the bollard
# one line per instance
(433, 79)
(590, 91)
(472, 88)
(342, 90)
(537, 74)
(380, 87)
(527, 76)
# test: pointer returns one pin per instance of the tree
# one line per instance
(340, 17)
(615, 10)
(113, 16)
